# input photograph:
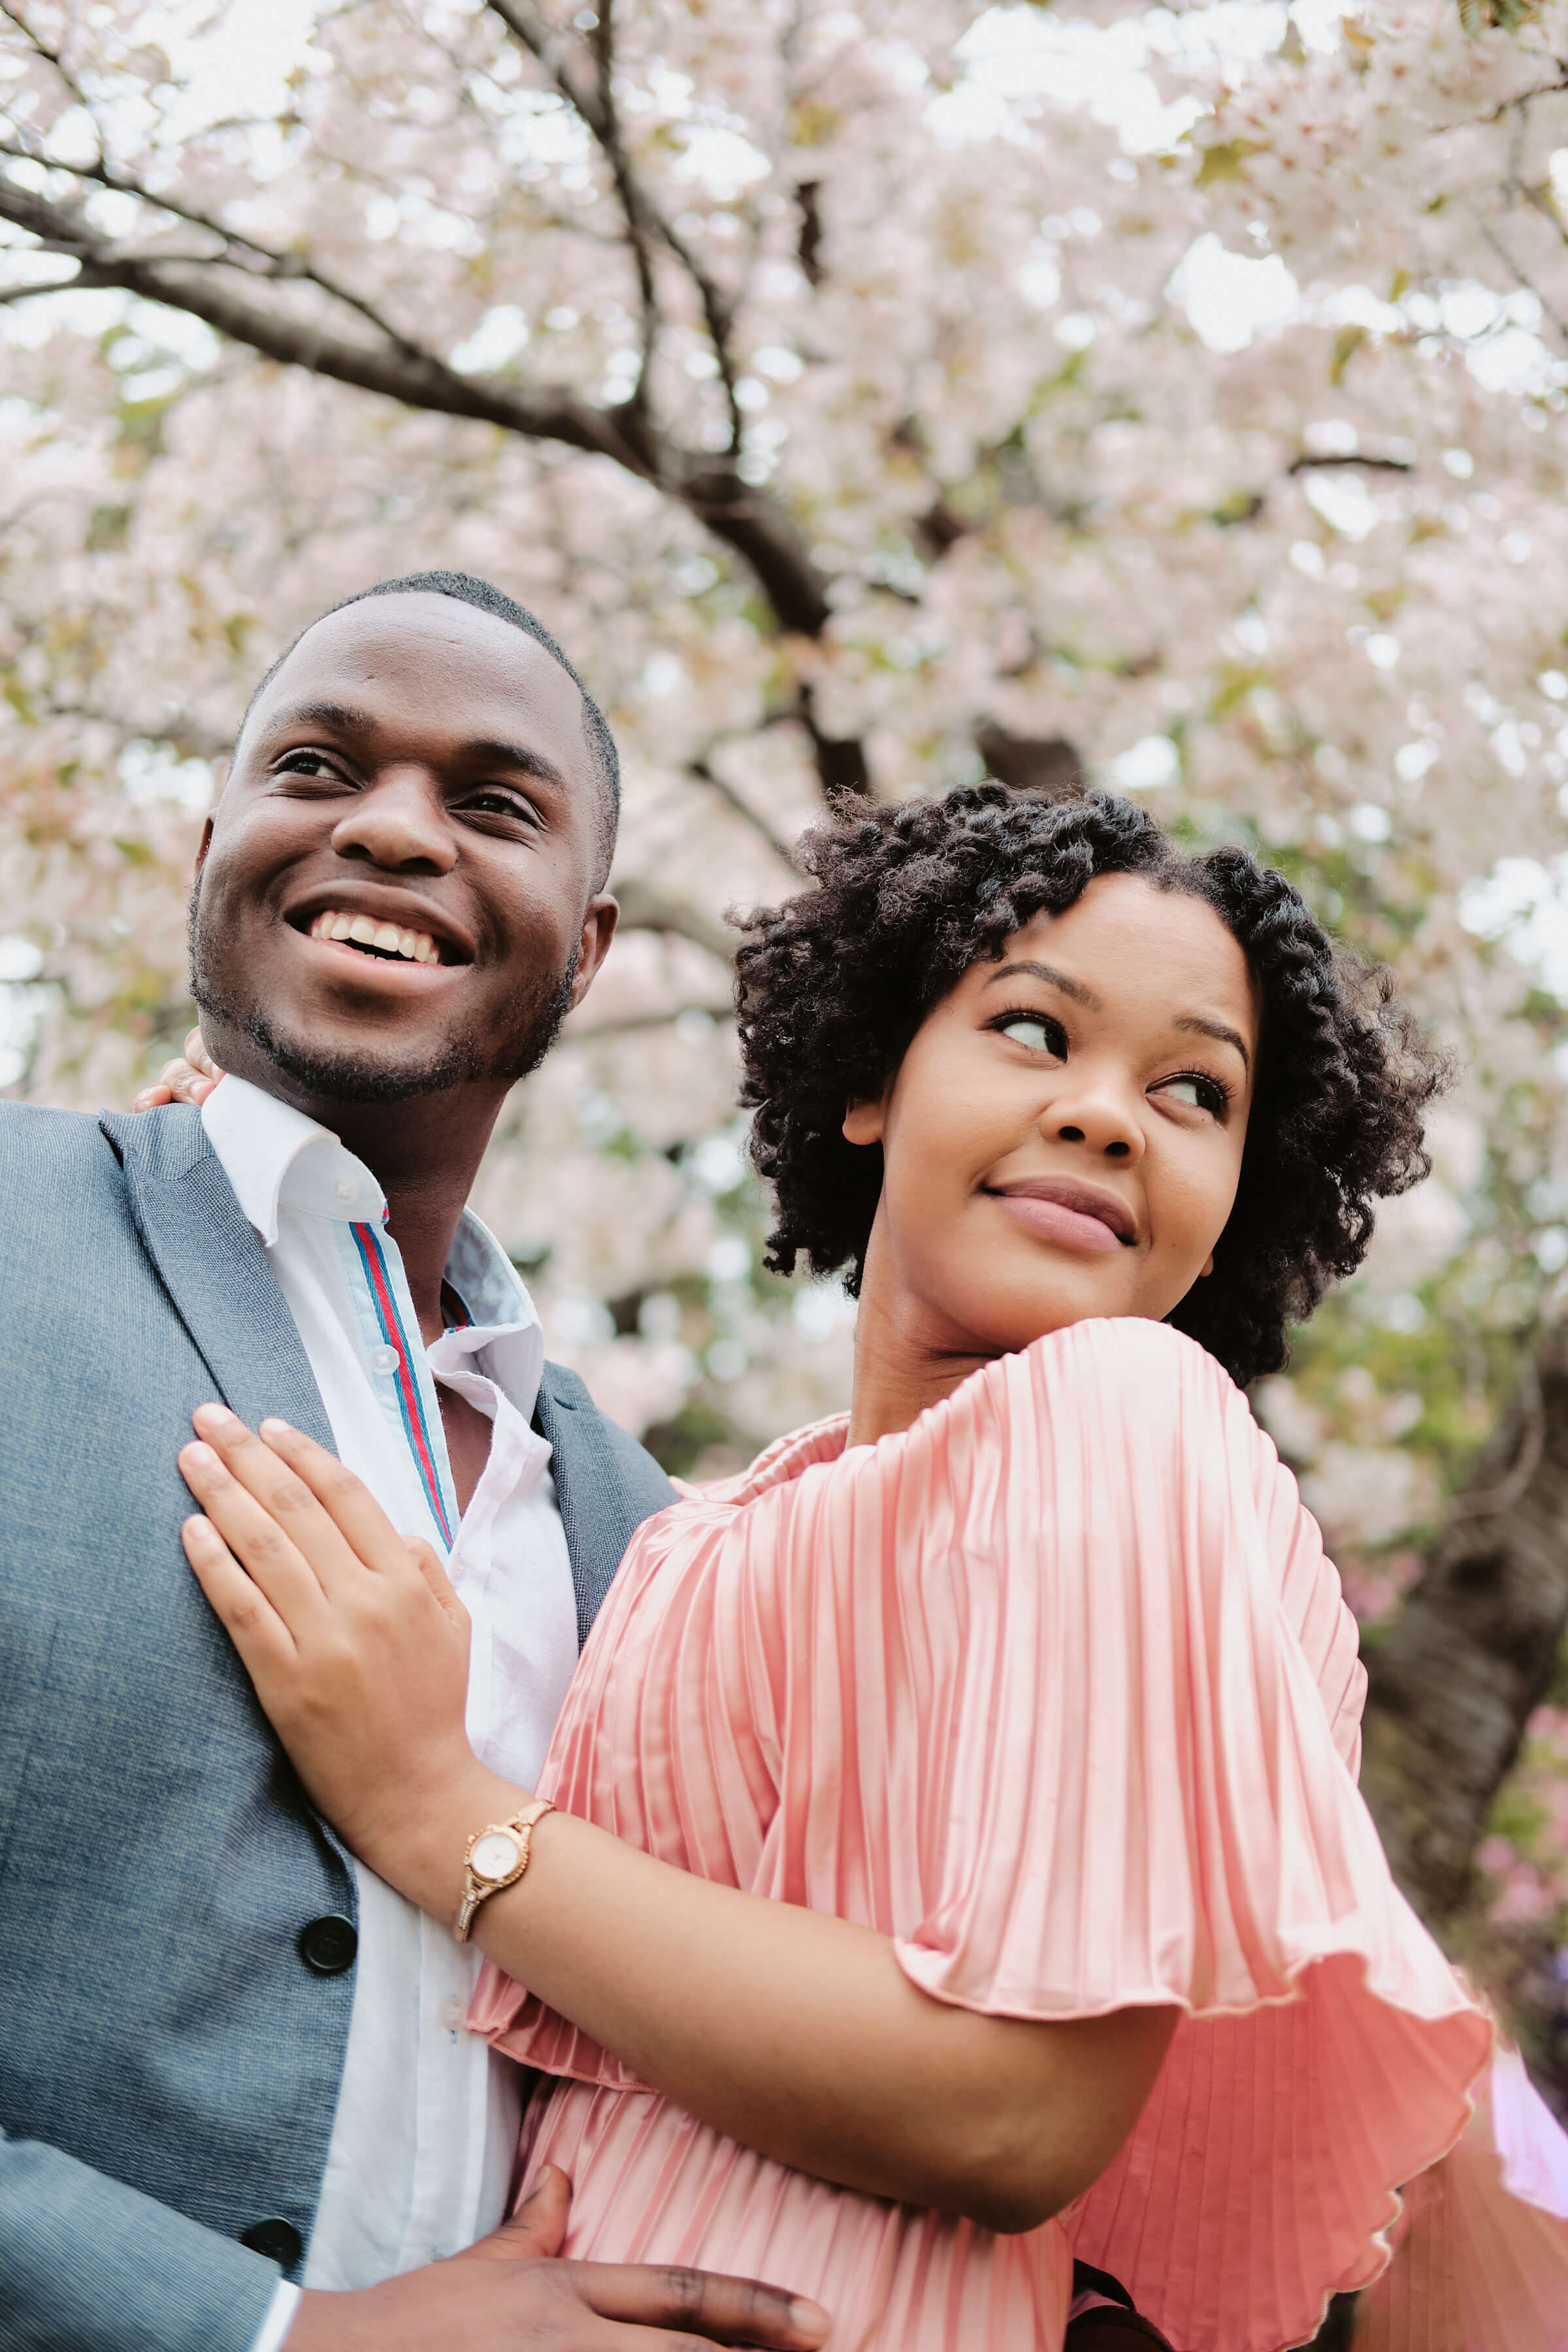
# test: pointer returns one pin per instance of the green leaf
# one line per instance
(1225, 159)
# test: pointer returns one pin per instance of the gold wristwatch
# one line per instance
(496, 1857)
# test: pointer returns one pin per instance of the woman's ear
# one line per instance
(865, 1122)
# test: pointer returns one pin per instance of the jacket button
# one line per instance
(279, 2241)
(328, 1946)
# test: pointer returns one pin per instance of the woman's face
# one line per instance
(1063, 1138)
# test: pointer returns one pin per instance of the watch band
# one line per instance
(494, 1857)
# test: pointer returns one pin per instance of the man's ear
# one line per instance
(599, 922)
(865, 1122)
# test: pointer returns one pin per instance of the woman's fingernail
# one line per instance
(199, 1457)
(273, 1427)
(211, 1416)
(809, 2317)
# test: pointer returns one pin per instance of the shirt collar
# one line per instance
(273, 1155)
(260, 1143)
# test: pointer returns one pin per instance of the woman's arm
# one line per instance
(793, 2032)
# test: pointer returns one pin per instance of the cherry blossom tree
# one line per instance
(871, 398)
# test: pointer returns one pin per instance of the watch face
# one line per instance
(494, 1856)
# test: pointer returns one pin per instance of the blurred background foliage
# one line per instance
(871, 398)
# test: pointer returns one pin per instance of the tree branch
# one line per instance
(1471, 1654)
(1310, 460)
(594, 102)
(634, 1022)
(702, 771)
(643, 909)
(754, 525)
(1548, 310)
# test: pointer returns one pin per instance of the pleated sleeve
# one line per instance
(1144, 1794)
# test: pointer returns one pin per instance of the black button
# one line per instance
(328, 1946)
(279, 2241)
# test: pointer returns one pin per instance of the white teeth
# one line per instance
(414, 947)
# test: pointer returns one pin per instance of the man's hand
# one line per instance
(188, 1081)
(506, 2294)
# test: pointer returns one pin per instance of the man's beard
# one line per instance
(534, 1019)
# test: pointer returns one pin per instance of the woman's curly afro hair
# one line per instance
(832, 986)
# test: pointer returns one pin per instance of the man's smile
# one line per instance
(379, 925)
(376, 939)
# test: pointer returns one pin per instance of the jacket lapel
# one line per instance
(589, 1489)
(213, 1267)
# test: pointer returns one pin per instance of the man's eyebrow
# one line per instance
(1199, 1027)
(341, 714)
(1073, 988)
(492, 754)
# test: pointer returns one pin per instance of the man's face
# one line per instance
(419, 770)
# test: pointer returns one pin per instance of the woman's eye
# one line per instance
(1202, 1093)
(1040, 1036)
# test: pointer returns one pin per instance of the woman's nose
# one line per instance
(400, 823)
(1098, 1121)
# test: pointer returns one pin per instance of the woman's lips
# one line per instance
(1053, 1221)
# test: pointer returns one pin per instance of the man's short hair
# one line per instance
(467, 589)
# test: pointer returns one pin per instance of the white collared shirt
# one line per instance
(425, 2130)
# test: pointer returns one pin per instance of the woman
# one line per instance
(958, 1861)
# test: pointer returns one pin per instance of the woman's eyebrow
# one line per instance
(1199, 1027)
(1048, 971)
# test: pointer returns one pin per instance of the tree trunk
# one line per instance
(1470, 1656)
(1473, 1651)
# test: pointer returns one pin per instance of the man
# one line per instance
(233, 2063)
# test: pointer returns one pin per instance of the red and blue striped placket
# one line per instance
(415, 1426)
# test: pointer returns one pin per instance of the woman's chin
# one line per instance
(1013, 1319)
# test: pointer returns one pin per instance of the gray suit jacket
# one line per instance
(169, 2057)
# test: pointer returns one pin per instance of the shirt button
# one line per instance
(386, 1360)
(279, 2241)
(344, 1190)
(328, 1946)
(453, 2012)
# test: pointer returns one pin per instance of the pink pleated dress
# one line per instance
(1057, 1690)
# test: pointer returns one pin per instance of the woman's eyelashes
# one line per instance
(1199, 1088)
(1039, 1033)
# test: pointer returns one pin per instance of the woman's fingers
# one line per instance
(269, 1519)
(187, 1080)
(201, 1061)
(259, 1634)
(720, 2310)
(346, 1500)
(426, 1561)
(534, 2233)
